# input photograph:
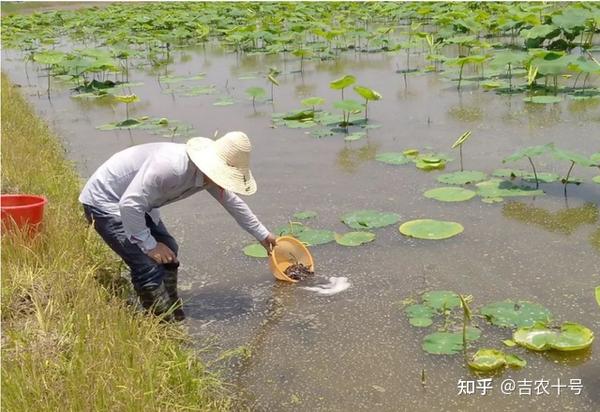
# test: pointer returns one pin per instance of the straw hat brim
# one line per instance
(201, 151)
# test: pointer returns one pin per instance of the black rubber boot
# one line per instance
(170, 281)
(157, 301)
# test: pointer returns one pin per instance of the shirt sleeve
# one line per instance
(140, 197)
(240, 212)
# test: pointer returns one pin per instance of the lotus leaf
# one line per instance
(348, 105)
(596, 179)
(255, 92)
(491, 359)
(431, 229)
(572, 157)
(461, 139)
(494, 188)
(366, 93)
(515, 314)
(255, 250)
(369, 219)
(419, 315)
(506, 57)
(429, 165)
(49, 57)
(509, 342)
(450, 194)
(224, 101)
(441, 299)
(595, 159)
(308, 214)
(597, 293)
(543, 99)
(531, 151)
(293, 228)
(313, 101)
(462, 178)
(392, 158)
(131, 98)
(572, 18)
(410, 152)
(354, 238)
(447, 343)
(572, 336)
(128, 123)
(342, 82)
(314, 237)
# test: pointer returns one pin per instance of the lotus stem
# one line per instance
(460, 75)
(509, 78)
(569, 174)
(537, 184)
(461, 157)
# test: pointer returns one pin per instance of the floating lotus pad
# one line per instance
(292, 229)
(307, 214)
(369, 219)
(420, 315)
(543, 99)
(430, 229)
(571, 337)
(314, 237)
(450, 194)
(354, 238)
(486, 360)
(448, 343)
(255, 250)
(424, 165)
(502, 188)
(462, 178)
(441, 299)
(392, 158)
(515, 314)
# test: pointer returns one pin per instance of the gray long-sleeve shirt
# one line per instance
(140, 179)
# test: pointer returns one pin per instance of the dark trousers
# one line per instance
(146, 273)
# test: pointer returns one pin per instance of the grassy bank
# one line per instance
(67, 342)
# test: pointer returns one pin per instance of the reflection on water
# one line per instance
(564, 221)
(350, 158)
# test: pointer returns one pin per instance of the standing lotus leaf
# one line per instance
(516, 314)
(441, 299)
(255, 250)
(369, 219)
(343, 82)
(462, 178)
(431, 229)
(486, 360)
(354, 238)
(420, 315)
(462, 138)
(450, 194)
(366, 93)
(392, 158)
(572, 336)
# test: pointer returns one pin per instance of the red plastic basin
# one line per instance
(22, 211)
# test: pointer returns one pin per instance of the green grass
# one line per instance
(68, 341)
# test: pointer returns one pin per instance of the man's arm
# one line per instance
(240, 212)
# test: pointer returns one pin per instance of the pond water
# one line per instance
(356, 350)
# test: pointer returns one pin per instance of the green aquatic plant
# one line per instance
(530, 152)
(127, 99)
(450, 194)
(539, 337)
(308, 214)
(342, 83)
(448, 343)
(459, 143)
(392, 158)
(354, 238)
(314, 237)
(487, 360)
(272, 78)
(515, 314)
(313, 102)
(348, 107)
(255, 250)
(369, 219)
(463, 61)
(430, 229)
(303, 54)
(255, 92)
(49, 58)
(462, 177)
(368, 95)
(574, 158)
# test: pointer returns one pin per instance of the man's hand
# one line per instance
(162, 254)
(269, 243)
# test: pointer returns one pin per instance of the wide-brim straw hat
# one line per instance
(226, 161)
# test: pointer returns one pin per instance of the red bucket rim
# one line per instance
(41, 201)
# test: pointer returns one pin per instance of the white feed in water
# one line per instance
(334, 286)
